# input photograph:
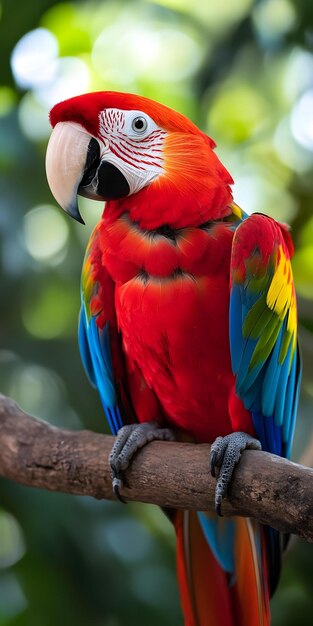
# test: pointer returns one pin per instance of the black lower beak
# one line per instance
(101, 180)
(112, 184)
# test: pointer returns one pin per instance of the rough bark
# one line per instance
(265, 487)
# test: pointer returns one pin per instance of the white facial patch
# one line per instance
(132, 142)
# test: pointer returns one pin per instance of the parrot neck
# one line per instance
(151, 210)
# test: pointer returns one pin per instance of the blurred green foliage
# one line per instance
(241, 70)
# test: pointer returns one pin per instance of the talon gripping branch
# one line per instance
(188, 321)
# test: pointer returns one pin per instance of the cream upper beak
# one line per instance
(65, 163)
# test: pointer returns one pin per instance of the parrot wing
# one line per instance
(263, 330)
(98, 336)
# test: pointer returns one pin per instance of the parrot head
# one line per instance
(137, 155)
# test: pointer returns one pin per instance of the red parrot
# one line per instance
(188, 322)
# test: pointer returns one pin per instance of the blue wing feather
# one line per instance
(96, 356)
(84, 348)
(298, 374)
(271, 378)
(236, 339)
(280, 399)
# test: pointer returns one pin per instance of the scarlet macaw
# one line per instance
(188, 320)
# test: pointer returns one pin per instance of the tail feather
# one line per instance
(211, 595)
(251, 574)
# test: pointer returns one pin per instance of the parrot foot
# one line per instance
(129, 440)
(225, 454)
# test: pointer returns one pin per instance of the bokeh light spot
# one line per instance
(302, 120)
(289, 151)
(298, 73)
(12, 546)
(255, 192)
(71, 78)
(130, 48)
(33, 117)
(37, 389)
(45, 233)
(53, 312)
(32, 57)
(236, 112)
(273, 18)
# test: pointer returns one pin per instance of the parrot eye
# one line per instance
(139, 124)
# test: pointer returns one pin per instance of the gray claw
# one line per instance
(129, 440)
(216, 456)
(117, 484)
(225, 454)
(213, 463)
(218, 509)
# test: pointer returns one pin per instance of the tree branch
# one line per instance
(266, 487)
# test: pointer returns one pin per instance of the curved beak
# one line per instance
(74, 166)
(65, 164)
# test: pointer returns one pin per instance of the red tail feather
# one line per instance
(209, 595)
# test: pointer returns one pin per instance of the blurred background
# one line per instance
(243, 71)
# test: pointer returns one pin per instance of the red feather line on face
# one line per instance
(132, 151)
(128, 155)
